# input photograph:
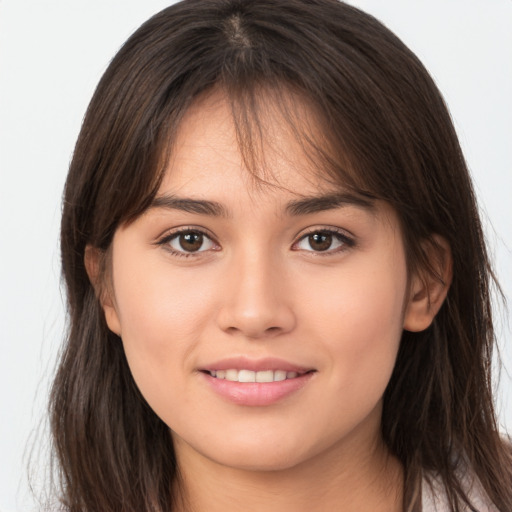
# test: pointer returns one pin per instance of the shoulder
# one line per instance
(434, 498)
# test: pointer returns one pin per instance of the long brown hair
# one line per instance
(386, 122)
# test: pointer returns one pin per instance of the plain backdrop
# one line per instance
(52, 54)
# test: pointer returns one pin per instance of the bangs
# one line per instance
(263, 114)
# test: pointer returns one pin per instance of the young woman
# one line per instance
(277, 281)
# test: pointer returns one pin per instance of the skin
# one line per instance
(258, 287)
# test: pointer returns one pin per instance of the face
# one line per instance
(295, 286)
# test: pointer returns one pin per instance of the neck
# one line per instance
(352, 479)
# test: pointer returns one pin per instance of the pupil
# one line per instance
(191, 241)
(320, 241)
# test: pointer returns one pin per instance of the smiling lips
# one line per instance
(262, 383)
(253, 376)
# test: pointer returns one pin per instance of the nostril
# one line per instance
(262, 318)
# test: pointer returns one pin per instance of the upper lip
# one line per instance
(256, 365)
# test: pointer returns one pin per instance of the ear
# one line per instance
(429, 287)
(94, 260)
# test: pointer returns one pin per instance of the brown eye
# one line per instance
(320, 241)
(324, 241)
(190, 241)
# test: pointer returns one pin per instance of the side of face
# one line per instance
(222, 272)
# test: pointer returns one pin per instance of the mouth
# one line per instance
(256, 382)
(261, 376)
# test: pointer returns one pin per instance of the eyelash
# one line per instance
(347, 242)
(168, 238)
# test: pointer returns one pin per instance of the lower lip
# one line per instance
(257, 393)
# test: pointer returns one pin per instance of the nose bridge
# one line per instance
(256, 303)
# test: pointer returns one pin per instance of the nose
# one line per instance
(255, 302)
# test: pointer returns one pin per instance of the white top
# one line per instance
(434, 497)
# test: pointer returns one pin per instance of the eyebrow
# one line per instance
(304, 206)
(322, 203)
(198, 206)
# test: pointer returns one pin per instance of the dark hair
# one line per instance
(389, 137)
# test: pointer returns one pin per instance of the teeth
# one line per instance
(279, 375)
(265, 376)
(246, 376)
(234, 375)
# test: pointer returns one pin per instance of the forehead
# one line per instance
(274, 147)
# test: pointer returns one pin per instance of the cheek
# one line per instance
(162, 314)
(359, 316)
(158, 303)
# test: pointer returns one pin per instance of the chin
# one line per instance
(253, 454)
(260, 461)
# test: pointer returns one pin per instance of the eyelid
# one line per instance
(164, 239)
(347, 238)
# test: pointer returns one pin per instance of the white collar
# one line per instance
(434, 498)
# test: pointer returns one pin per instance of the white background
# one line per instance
(52, 53)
